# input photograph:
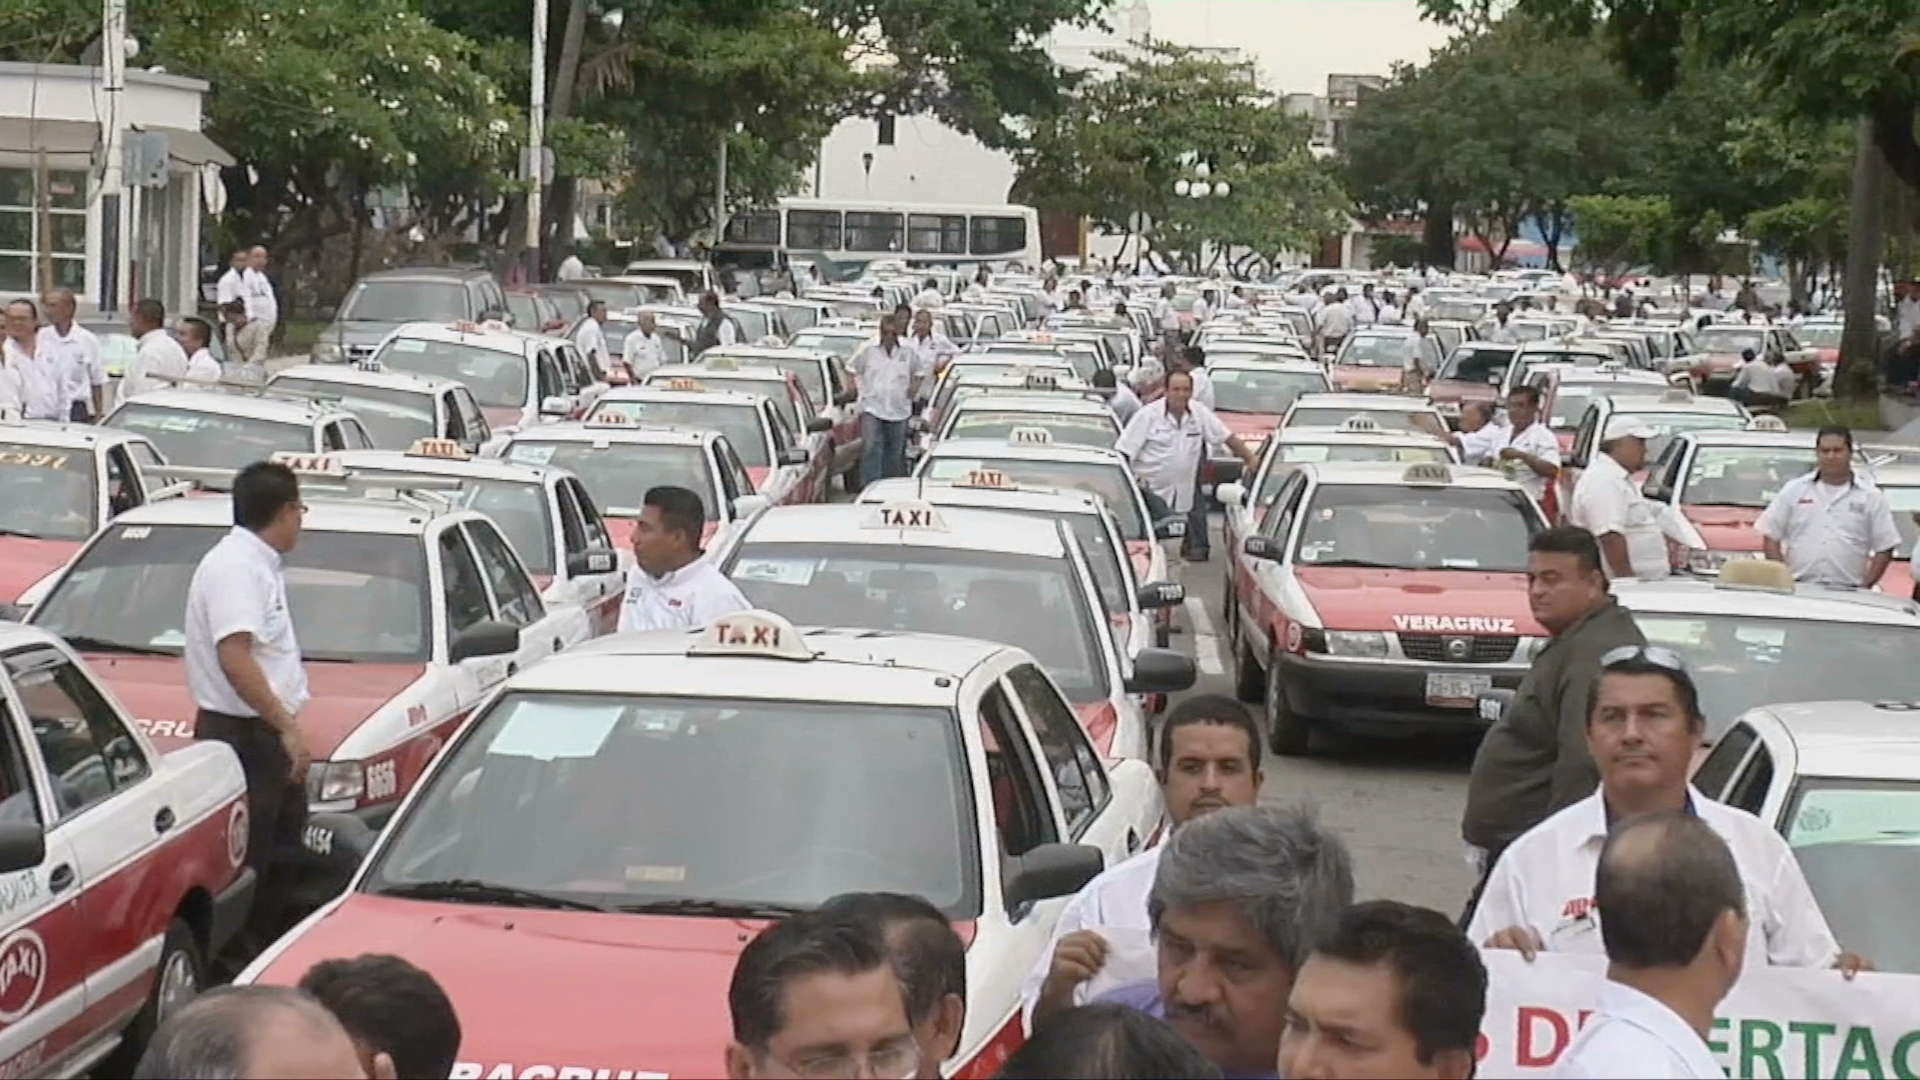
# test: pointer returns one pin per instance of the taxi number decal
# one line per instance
(136, 532)
(33, 461)
(318, 839)
(383, 780)
(24, 1064)
(1455, 624)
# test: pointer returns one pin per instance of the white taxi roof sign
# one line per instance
(310, 464)
(916, 515)
(1030, 436)
(1610, 365)
(991, 479)
(443, 449)
(609, 418)
(1427, 472)
(721, 363)
(1767, 423)
(1359, 422)
(751, 633)
(684, 384)
(1042, 380)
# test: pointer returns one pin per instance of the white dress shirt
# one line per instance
(12, 401)
(231, 286)
(934, 350)
(642, 352)
(683, 599)
(43, 381)
(1544, 881)
(1164, 316)
(262, 305)
(240, 587)
(1365, 311)
(591, 340)
(928, 298)
(1165, 452)
(1116, 897)
(1632, 1036)
(1606, 500)
(571, 269)
(1334, 321)
(158, 354)
(1764, 377)
(885, 379)
(1907, 317)
(80, 350)
(1829, 532)
(202, 365)
(1540, 441)
(1479, 447)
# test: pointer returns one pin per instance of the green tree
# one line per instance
(1621, 233)
(1121, 141)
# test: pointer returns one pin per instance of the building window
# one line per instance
(875, 232)
(20, 239)
(999, 235)
(937, 234)
(813, 230)
(885, 134)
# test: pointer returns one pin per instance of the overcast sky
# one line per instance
(1300, 42)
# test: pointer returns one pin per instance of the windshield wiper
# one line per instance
(83, 643)
(1363, 564)
(486, 892)
(22, 533)
(1737, 505)
(723, 909)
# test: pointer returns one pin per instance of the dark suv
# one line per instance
(386, 299)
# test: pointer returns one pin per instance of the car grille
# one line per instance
(1480, 649)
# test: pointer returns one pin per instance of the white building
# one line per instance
(50, 116)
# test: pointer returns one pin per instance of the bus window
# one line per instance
(998, 235)
(869, 231)
(937, 234)
(813, 230)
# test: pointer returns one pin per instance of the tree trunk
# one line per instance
(1890, 126)
(556, 230)
(1859, 342)
(356, 243)
(1436, 234)
(1553, 226)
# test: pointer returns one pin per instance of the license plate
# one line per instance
(1456, 691)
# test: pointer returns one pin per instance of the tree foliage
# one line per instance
(1620, 233)
(1122, 140)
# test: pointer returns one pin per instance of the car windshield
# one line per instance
(1028, 601)
(738, 421)
(394, 419)
(1252, 390)
(774, 390)
(406, 301)
(1531, 331)
(625, 801)
(1397, 420)
(1293, 453)
(1569, 405)
(1742, 662)
(807, 372)
(1459, 310)
(1858, 843)
(1668, 424)
(355, 597)
(519, 507)
(1819, 335)
(1905, 503)
(619, 473)
(1743, 475)
(754, 325)
(46, 493)
(1473, 364)
(1379, 350)
(498, 379)
(840, 345)
(1109, 480)
(1731, 339)
(1450, 337)
(1101, 554)
(1073, 429)
(1415, 528)
(209, 440)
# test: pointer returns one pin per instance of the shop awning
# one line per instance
(69, 143)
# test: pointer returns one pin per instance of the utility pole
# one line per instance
(720, 193)
(1860, 341)
(536, 139)
(43, 225)
(113, 88)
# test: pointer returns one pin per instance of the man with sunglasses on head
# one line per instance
(1641, 730)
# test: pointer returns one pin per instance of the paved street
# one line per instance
(1398, 801)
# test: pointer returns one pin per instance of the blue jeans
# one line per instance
(883, 453)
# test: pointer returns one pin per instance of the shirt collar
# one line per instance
(149, 335)
(1605, 462)
(1601, 818)
(251, 540)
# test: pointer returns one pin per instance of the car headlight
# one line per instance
(327, 352)
(1364, 644)
(1710, 562)
(336, 781)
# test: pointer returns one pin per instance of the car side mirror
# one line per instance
(1161, 671)
(592, 561)
(845, 397)
(1231, 494)
(748, 505)
(555, 407)
(1170, 528)
(1493, 704)
(484, 638)
(1262, 547)
(1657, 490)
(1496, 376)
(1161, 594)
(793, 455)
(23, 846)
(819, 424)
(1049, 871)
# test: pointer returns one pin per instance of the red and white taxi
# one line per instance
(121, 868)
(584, 865)
(407, 609)
(1609, 411)
(1024, 367)
(213, 427)
(1250, 397)
(1472, 372)
(1069, 418)
(1379, 361)
(822, 377)
(1383, 598)
(780, 469)
(1901, 485)
(1388, 412)
(1716, 483)
(395, 407)
(545, 513)
(619, 460)
(1566, 390)
(58, 484)
(518, 379)
(913, 567)
(806, 427)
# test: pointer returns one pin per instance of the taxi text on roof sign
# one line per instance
(309, 464)
(438, 448)
(752, 633)
(1767, 423)
(609, 418)
(1030, 435)
(915, 514)
(1427, 472)
(1359, 422)
(987, 478)
(683, 383)
(722, 363)
(1040, 380)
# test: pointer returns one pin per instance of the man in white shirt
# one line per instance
(1194, 359)
(1332, 323)
(247, 341)
(1416, 304)
(42, 379)
(1642, 729)
(1209, 759)
(1832, 526)
(1366, 311)
(1765, 384)
(79, 350)
(928, 296)
(1674, 918)
(1120, 397)
(1166, 441)
(1480, 437)
(931, 344)
(1202, 309)
(1532, 454)
(672, 585)
(889, 376)
(195, 338)
(643, 351)
(1906, 314)
(1167, 318)
(1500, 332)
(571, 268)
(1608, 504)
(262, 305)
(247, 682)
(157, 353)
(232, 284)
(591, 337)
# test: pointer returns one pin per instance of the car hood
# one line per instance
(154, 691)
(1462, 390)
(1827, 356)
(501, 416)
(24, 561)
(1898, 580)
(1419, 601)
(1365, 378)
(1250, 425)
(359, 331)
(1725, 528)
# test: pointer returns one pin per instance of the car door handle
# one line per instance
(61, 879)
(513, 668)
(163, 820)
(559, 645)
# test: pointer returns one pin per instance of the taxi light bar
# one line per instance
(1427, 472)
(1767, 423)
(310, 464)
(720, 363)
(916, 515)
(1030, 436)
(1039, 380)
(992, 479)
(1360, 422)
(752, 633)
(609, 418)
(684, 384)
(442, 449)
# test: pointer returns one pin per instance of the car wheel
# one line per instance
(1249, 683)
(1288, 733)
(1227, 612)
(178, 979)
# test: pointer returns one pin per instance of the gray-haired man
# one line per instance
(1240, 897)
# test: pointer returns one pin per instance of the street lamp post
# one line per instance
(1201, 186)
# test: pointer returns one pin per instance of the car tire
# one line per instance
(1288, 733)
(851, 479)
(1249, 682)
(179, 977)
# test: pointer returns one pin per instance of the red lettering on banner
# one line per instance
(1525, 1053)
(1577, 908)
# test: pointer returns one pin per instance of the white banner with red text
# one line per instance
(1777, 1024)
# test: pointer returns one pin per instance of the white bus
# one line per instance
(864, 230)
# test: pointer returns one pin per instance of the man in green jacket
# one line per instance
(1534, 759)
